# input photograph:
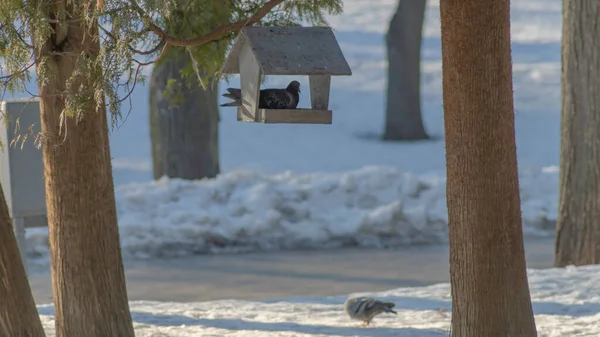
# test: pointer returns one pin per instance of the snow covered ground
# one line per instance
(565, 302)
(299, 186)
(247, 211)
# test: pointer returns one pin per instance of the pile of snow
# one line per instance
(566, 302)
(246, 211)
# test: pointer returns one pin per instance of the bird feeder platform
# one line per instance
(290, 116)
(260, 51)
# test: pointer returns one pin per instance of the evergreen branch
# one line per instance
(160, 56)
(214, 34)
(160, 45)
(135, 80)
(289, 16)
(7, 78)
(23, 40)
(113, 11)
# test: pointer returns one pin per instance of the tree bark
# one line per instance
(403, 119)
(88, 282)
(487, 261)
(18, 314)
(185, 131)
(578, 223)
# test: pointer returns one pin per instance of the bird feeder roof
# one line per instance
(290, 51)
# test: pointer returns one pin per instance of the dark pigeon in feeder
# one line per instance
(269, 98)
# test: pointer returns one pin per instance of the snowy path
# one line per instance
(288, 274)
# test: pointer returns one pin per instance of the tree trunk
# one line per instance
(18, 314)
(578, 225)
(88, 282)
(184, 129)
(490, 294)
(403, 112)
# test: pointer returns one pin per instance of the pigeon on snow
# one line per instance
(365, 308)
(269, 98)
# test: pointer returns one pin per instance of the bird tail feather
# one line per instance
(235, 92)
(235, 95)
(232, 103)
(230, 96)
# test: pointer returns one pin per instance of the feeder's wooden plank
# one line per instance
(298, 116)
(250, 79)
(290, 51)
(288, 116)
(319, 91)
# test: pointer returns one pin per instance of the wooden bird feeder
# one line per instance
(260, 51)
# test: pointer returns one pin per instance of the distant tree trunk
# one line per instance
(578, 225)
(184, 129)
(403, 119)
(18, 314)
(88, 282)
(490, 294)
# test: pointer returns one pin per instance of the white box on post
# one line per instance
(22, 167)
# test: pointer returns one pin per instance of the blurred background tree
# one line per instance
(578, 221)
(403, 119)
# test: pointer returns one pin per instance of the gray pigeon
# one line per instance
(269, 98)
(365, 308)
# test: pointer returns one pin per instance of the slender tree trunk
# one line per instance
(88, 282)
(184, 125)
(578, 225)
(18, 314)
(403, 119)
(490, 294)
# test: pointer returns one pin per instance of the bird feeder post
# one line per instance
(250, 79)
(319, 91)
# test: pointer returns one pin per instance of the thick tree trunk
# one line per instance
(88, 282)
(403, 119)
(18, 314)
(578, 225)
(490, 294)
(185, 130)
